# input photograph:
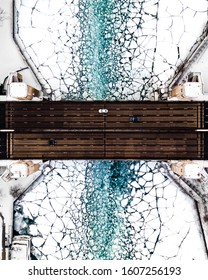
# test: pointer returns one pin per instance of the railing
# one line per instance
(3, 253)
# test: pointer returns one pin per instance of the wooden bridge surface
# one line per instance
(78, 130)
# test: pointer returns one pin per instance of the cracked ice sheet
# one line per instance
(114, 49)
(108, 210)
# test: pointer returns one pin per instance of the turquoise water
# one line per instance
(108, 231)
(101, 48)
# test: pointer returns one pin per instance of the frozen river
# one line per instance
(108, 210)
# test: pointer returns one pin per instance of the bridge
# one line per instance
(104, 130)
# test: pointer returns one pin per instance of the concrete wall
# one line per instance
(10, 56)
(201, 65)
